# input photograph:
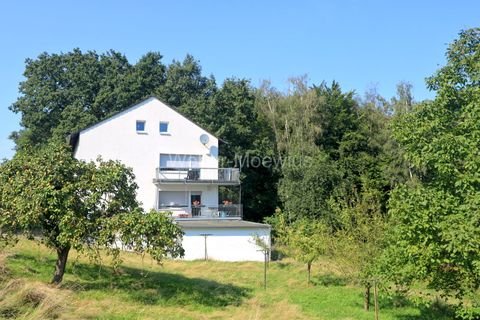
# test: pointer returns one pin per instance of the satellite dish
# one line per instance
(204, 138)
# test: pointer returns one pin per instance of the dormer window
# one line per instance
(140, 126)
(164, 128)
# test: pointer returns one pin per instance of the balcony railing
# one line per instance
(205, 211)
(198, 175)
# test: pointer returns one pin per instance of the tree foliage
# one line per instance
(246, 137)
(63, 93)
(307, 240)
(332, 146)
(435, 237)
(187, 88)
(339, 164)
(68, 204)
(303, 239)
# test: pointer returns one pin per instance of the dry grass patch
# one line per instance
(255, 309)
(20, 299)
(3, 268)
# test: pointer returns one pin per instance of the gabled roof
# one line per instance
(73, 138)
(138, 104)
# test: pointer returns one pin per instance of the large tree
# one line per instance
(328, 143)
(436, 236)
(65, 92)
(86, 206)
(186, 88)
(245, 136)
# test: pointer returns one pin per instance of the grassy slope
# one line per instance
(198, 290)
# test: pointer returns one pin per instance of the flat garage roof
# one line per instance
(192, 224)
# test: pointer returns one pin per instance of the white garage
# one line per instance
(225, 240)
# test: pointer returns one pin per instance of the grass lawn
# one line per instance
(188, 290)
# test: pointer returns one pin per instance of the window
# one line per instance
(168, 199)
(180, 161)
(163, 127)
(140, 126)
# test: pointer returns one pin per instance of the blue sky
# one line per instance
(360, 44)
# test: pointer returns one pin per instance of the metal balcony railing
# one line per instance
(205, 211)
(198, 175)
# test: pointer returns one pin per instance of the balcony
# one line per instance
(229, 211)
(218, 176)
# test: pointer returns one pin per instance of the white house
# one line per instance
(175, 163)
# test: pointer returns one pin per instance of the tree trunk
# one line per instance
(375, 294)
(62, 256)
(366, 297)
(309, 269)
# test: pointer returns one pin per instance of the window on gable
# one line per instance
(140, 126)
(164, 127)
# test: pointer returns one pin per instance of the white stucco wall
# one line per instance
(116, 138)
(225, 244)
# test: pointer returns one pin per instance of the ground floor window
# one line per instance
(168, 199)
